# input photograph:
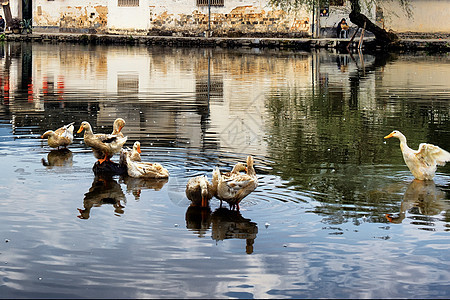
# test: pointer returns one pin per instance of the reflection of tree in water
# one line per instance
(226, 224)
(324, 139)
(422, 201)
(362, 72)
(104, 190)
(58, 158)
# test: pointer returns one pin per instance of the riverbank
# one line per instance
(404, 44)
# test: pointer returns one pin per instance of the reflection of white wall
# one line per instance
(170, 79)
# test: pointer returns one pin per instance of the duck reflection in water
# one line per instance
(136, 185)
(104, 190)
(198, 219)
(59, 158)
(422, 197)
(226, 224)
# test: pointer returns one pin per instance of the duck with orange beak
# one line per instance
(104, 146)
(422, 162)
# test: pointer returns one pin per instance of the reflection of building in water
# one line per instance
(162, 93)
(229, 224)
(422, 199)
(104, 190)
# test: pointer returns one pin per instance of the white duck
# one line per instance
(61, 137)
(235, 186)
(135, 154)
(139, 169)
(422, 162)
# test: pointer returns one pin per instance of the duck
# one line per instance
(135, 154)
(61, 137)
(235, 187)
(140, 169)
(118, 125)
(422, 162)
(200, 190)
(104, 146)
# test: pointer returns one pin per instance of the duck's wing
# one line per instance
(432, 154)
(66, 131)
(151, 169)
(236, 183)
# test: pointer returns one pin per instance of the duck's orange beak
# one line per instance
(80, 130)
(389, 135)
(139, 149)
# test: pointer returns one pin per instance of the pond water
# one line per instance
(336, 214)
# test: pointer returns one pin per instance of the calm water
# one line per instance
(316, 225)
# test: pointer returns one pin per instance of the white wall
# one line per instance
(128, 18)
(428, 16)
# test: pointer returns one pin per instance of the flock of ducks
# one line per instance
(230, 187)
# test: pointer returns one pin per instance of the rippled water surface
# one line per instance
(336, 214)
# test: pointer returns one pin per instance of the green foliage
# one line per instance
(293, 5)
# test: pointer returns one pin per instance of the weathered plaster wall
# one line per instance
(71, 15)
(429, 16)
(169, 17)
(235, 18)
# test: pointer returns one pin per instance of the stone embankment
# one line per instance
(405, 44)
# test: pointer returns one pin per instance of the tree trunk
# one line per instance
(381, 36)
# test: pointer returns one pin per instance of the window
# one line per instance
(128, 3)
(213, 2)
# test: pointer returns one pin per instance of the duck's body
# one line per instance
(199, 190)
(236, 170)
(422, 162)
(139, 169)
(61, 137)
(118, 125)
(104, 146)
(236, 186)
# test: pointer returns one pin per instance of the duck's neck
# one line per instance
(88, 131)
(251, 170)
(403, 144)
